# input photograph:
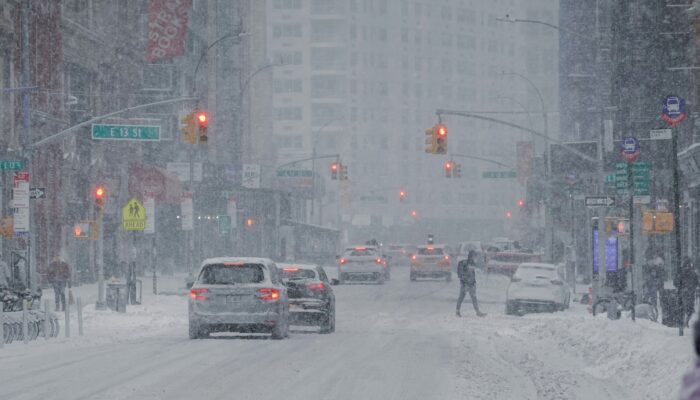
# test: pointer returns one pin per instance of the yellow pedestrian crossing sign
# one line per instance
(133, 216)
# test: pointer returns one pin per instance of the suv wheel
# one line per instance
(280, 330)
(195, 331)
(328, 324)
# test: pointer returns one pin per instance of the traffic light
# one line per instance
(343, 172)
(402, 195)
(202, 120)
(430, 141)
(441, 139)
(414, 214)
(448, 169)
(456, 170)
(334, 171)
(99, 197)
(188, 129)
(521, 203)
(509, 214)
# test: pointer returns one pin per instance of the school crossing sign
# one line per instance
(133, 216)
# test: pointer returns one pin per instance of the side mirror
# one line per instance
(335, 282)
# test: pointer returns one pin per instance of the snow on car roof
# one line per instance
(434, 246)
(244, 260)
(300, 266)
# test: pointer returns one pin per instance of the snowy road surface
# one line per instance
(396, 341)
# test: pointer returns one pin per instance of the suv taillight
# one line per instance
(198, 294)
(316, 286)
(343, 261)
(268, 294)
(378, 260)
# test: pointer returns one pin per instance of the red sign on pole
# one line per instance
(167, 25)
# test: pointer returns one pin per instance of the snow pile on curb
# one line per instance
(643, 357)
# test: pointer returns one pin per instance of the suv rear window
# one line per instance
(231, 274)
(361, 252)
(297, 273)
(427, 251)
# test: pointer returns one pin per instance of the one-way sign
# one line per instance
(37, 193)
(600, 201)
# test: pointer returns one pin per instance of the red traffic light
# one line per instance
(414, 213)
(448, 165)
(509, 214)
(441, 130)
(334, 167)
(99, 192)
(521, 203)
(202, 118)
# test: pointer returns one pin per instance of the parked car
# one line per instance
(311, 298)
(362, 263)
(537, 286)
(238, 295)
(431, 261)
(463, 249)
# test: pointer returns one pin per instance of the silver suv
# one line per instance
(238, 295)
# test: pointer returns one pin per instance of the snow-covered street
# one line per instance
(396, 341)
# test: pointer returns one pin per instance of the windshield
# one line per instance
(362, 252)
(223, 274)
(529, 272)
(297, 273)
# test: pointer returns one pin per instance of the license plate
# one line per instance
(233, 299)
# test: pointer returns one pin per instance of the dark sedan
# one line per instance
(311, 298)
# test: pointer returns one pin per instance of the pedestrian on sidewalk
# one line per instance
(690, 385)
(686, 281)
(59, 278)
(467, 279)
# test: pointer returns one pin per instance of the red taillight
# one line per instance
(413, 257)
(198, 294)
(378, 260)
(557, 282)
(515, 279)
(447, 258)
(290, 269)
(343, 261)
(269, 294)
(316, 286)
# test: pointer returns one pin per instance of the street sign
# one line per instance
(125, 132)
(251, 176)
(659, 134)
(600, 201)
(11, 165)
(640, 178)
(630, 148)
(645, 199)
(20, 203)
(499, 174)
(133, 216)
(37, 193)
(673, 111)
(224, 224)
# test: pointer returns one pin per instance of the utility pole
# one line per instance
(677, 227)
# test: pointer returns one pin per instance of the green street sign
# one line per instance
(640, 178)
(11, 165)
(295, 173)
(224, 224)
(499, 174)
(125, 132)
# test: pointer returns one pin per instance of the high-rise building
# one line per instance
(364, 78)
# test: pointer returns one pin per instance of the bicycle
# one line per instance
(624, 300)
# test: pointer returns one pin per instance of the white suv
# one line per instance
(362, 263)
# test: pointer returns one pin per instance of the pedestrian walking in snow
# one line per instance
(467, 279)
(690, 385)
(59, 278)
(686, 281)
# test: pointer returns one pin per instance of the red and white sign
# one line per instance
(20, 202)
(167, 25)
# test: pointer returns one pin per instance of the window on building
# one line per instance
(327, 58)
(287, 57)
(288, 114)
(287, 85)
(286, 4)
(286, 30)
(327, 6)
(322, 113)
(327, 86)
(325, 31)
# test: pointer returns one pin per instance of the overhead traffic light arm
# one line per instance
(483, 159)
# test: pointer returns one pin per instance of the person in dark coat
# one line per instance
(686, 281)
(467, 279)
(690, 385)
(59, 277)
